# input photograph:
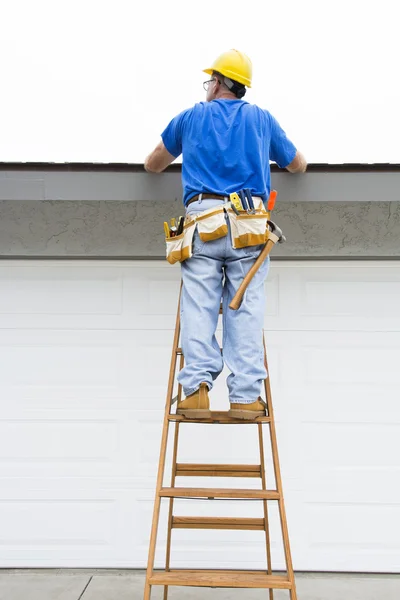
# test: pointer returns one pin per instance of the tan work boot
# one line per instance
(197, 405)
(248, 411)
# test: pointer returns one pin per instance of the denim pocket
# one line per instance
(253, 249)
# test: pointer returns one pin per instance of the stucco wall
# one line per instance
(135, 229)
(118, 211)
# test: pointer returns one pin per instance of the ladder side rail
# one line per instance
(278, 481)
(265, 506)
(163, 449)
(171, 506)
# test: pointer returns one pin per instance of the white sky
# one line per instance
(97, 81)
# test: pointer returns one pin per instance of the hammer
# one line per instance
(275, 235)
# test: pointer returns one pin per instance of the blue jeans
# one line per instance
(214, 272)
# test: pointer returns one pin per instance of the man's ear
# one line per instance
(216, 85)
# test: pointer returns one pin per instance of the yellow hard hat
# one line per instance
(235, 65)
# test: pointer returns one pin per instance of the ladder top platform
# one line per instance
(219, 416)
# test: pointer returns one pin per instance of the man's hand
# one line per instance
(298, 164)
(158, 160)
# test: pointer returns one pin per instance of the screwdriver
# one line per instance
(271, 200)
(180, 226)
(172, 229)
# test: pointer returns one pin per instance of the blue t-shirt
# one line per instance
(226, 146)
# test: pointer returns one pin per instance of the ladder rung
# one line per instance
(190, 470)
(223, 579)
(179, 492)
(218, 523)
(221, 417)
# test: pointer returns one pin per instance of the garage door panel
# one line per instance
(344, 403)
(350, 484)
(318, 375)
(358, 537)
(345, 444)
(64, 440)
(55, 448)
(351, 298)
(42, 522)
(60, 529)
(353, 363)
(75, 444)
(344, 291)
(337, 361)
(50, 290)
(72, 365)
(348, 297)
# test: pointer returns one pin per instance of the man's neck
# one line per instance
(226, 96)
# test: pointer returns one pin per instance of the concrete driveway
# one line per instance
(85, 584)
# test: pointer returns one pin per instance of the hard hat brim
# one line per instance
(231, 75)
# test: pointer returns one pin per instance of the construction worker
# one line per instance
(226, 144)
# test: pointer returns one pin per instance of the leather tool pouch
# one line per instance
(211, 225)
(249, 229)
(179, 248)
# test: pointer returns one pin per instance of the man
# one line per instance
(227, 144)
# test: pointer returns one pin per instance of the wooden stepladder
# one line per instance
(206, 577)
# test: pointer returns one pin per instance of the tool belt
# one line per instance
(207, 196)
(246, 229)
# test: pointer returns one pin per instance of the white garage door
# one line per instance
(84, 359)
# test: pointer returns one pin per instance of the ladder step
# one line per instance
(179, 492)
(221, 417)
(190, 470)
(218, 523)
(222, 579)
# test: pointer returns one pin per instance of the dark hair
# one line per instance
(233, 86)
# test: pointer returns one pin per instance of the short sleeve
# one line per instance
(282, 150)
(173, 133)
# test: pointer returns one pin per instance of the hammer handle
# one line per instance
(237, 299)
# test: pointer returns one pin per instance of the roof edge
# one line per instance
(176, 168)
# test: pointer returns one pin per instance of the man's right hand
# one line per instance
(298, 164)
